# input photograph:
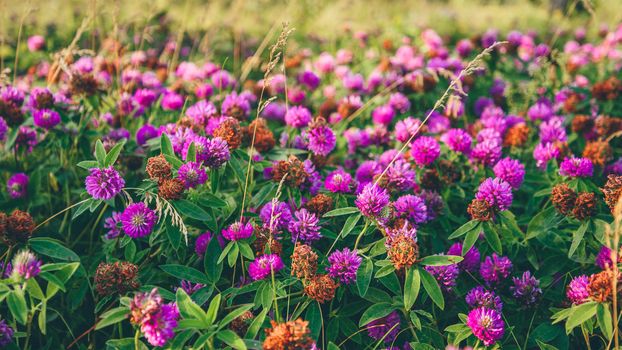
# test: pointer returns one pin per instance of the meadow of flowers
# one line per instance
(425, 192)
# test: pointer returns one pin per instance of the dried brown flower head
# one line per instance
(83, 84)
(605, 125)
(19, 227)
(230, 131)
(171, 188)
(516, 136)
(608, 89)
(292, 170)
(599, 152)
(403, 251)
(584, 206)
(263, 240)
(158, 168)
(563, 198)
(327, 108)
(600, 285)
(431, 180)
(612, 190)
(321, 288)
(292, 335)
(240, 324)
(264, 138)
(304, 261)
(582, 123)
(119, 277)
(481, 210)
(11, 113)
(320, 204)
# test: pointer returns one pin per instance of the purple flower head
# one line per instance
(603, 259)
(40, 98)
(26, 139)
(314, 181)
(543, 153)
(553, 130)
(145, 133)
(321, 139)
(113, 225)
(4, 128)
(481, 297)
(481, 103)
(298, 117)
(344, 265)
(386, 328)
(17, 186)
(6, 334)
(489, 134)
(238, 231)
(338, 181)
(425, 150)
(372, 200)
(212, 152)
(383, 114)
(458, 140)
(235, 105)
(45, 118)
(488, 39)
(400, 176)
(471, 258)
(496, 192)
(25, 265)
(201, 111)
(304, 226)
(309, 79)
(486, 324)
(542, 110)
(576, 167)
(157, 320)
(275, 216)
(511, 171)
(138, 220)
(446, 275)
(172, 101)
(495, 268)
(264, 266)
(145, 97)
(399, 102)
(189, 287)
(577, 291)
(192, 174)
(526, 289)
(434, 203)
(274, 111)
(412, 208)
(366, 172)
(406, 128)
(36, 43)
(119, 134)
(104, 183)
(200, 246)
(487, 152)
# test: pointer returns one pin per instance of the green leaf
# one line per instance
(580, 314)
(191, 210)
(469, 241)
(165, 146)
(42, 318)
(52, 248)
(375, 312)
(17, 305)
(88, 164)
(350, 223)
(112, 156)
(213, 267)
(255, 326)
(33, 288)
(212, 310)
(605, 322)
(363, 276)
(100, 154)
(577, 237)
(492, 237)
(189, 309)
(464, 229)
(113, 316)
(53, 280)
(230, 338)
(431, 287)
(441, 260)
(412, 283)
(211, 201)
(185, 273)
(341, 211)
(234, 314)
(191, 156)
(384, 271)
(542, 222)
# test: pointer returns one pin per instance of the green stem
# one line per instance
(136, 341)
(6, 259)
(358, 238)
(276, 304)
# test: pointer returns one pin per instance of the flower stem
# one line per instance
(136, 341)
(358, 238)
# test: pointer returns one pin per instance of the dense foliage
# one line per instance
(429, 193)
